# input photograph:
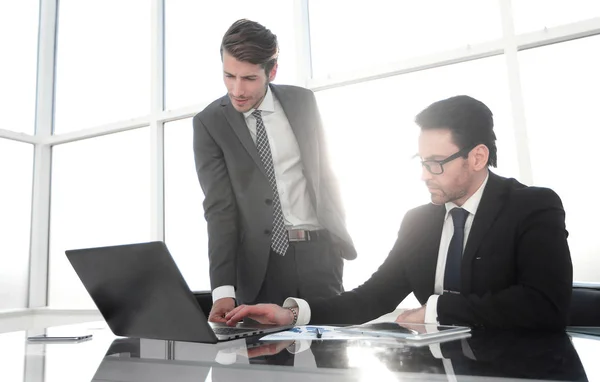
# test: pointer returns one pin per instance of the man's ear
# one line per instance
(273, 72)
(479, 157)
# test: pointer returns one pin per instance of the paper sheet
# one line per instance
(309, 332)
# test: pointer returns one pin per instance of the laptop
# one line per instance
(140, 292)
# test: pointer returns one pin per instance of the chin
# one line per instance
(242, 109)
(438, 200)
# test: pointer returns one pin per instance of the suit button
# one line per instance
(268, 201)
(267, 232)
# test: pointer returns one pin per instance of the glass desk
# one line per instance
(487, 355)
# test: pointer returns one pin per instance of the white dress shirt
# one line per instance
(470, 205)
(298, 211)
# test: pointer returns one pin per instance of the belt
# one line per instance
(304, 235)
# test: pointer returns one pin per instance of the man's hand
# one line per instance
(220, 308)
(263, 313)
(414, 316)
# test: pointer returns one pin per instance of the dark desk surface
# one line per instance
(512, 355)
(487, 355)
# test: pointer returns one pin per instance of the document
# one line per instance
(316, 332)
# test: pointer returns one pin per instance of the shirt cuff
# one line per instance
(303, 309)
(431, 310)
(222, 292)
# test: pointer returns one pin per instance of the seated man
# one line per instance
(487, 252)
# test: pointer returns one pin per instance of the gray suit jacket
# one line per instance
(237, 204)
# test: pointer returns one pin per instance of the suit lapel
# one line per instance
(238, 124)
(297, 116)
(491, 204)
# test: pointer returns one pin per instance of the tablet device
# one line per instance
(410, 332)
(47, 338)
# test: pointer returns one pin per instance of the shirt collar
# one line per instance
(472, 203)
(267, 104)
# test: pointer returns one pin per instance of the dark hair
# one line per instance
(470, 121)
(249, 41)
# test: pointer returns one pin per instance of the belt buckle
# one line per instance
(298, 235)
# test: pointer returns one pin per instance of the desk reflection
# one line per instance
(497, 354)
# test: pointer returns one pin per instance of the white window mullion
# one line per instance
(156, 125)
(302, 29)
(516, 92)
(40, 210)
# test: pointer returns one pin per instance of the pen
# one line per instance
(319, 332)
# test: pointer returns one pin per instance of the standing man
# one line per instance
(276, 225)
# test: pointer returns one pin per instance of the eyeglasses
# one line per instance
(436, 167)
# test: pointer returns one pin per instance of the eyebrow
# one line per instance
(432, 157)
(251, 76)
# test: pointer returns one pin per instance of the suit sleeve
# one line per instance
(220, 209)
(379, 295)
(541, 295)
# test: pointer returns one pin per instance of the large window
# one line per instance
(371, 136)
(193, 34)
(561, 102)
(18, 39)
(100, 196)
(16, 165)
(185, 227)
(102, 177)
(103, 62)
(347, 36)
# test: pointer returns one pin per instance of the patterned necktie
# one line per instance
(279, 237)
(455, 250)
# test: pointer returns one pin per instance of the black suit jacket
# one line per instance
(238, 196)
(516, 269)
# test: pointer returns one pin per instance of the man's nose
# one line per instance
(425, 174)
(237, 89)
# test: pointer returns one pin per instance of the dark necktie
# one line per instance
(279, 237)
(455, 250)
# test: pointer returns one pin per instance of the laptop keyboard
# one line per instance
(223, 331)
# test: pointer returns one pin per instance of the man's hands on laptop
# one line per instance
(263, 313)
(220, 308)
